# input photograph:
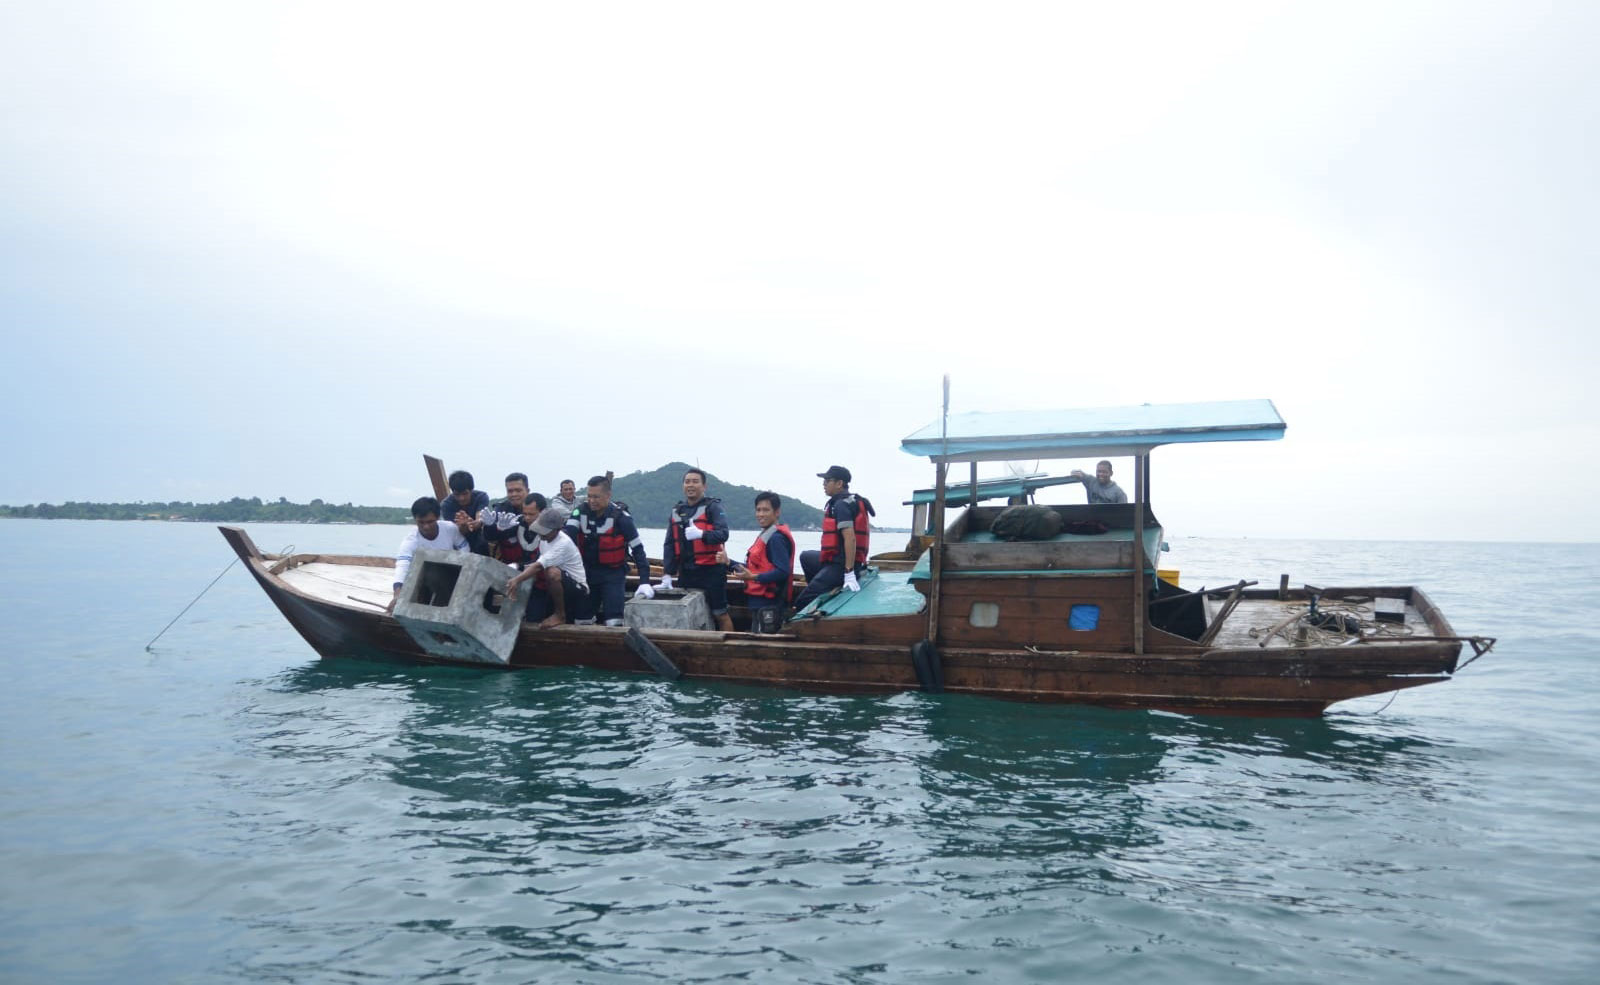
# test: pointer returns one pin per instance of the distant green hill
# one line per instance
(651, 495)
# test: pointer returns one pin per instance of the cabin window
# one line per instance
(1084, 617)
(985, 615)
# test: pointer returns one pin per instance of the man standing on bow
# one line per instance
(846, 532)
(440, 535)
(696, 530)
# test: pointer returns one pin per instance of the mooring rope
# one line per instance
(197, 598)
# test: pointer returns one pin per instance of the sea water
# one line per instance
(230, 808)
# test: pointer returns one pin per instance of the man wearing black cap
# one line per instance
(845, 536)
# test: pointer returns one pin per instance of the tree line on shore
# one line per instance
(235, 510)
(650, 497)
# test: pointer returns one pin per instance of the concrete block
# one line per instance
(675, 608)
(453, 605)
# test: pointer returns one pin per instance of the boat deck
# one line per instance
(343, 584)
(1252, 619)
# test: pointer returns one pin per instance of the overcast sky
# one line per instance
(284, 249)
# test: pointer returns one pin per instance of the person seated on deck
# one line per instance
(768, 569)
(464, 505)
(696, 530)
(431, 532)
(557, 572)
(1099, 486)
(606, 537)
(567, 498)
(846, 532)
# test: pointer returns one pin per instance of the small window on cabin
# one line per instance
(985, 615)
(1084, 618)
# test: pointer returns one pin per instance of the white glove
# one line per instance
(498, 520)
(693, 533)
(644, 591)
(850, 581)
(666, 583)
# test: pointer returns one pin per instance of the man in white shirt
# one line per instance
(557, 572)
(431, 532)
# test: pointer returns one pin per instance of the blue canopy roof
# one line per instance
(1106, 431)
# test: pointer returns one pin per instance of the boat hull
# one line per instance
(875, 656)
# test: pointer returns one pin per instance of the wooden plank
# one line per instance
(1092, 555)
(436, 477)
(999, 587)
(651, 654)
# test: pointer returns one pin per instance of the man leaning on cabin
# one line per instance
(464, 505)
(606, 537)
(430, 532)
(768, 569)
(846, 533)
(1099, 486)
(696, 530)
(560, 585)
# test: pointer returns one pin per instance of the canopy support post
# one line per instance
(936, 563)
(1141, 465)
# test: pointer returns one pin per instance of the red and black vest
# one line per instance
(833, 540)
(759, 564)
(601, 537)
(703, 553)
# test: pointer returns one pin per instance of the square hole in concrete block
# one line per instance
(437, 583)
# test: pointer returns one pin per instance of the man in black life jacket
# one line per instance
(696, 530)
(607, 537)
(463, 506)
(768, 570)
(846, 533)
(499, 519)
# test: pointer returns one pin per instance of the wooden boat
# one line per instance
(1081, 617)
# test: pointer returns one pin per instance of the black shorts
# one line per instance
(711, 579)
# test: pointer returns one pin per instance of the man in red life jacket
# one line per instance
(696, 530)
(607, 537)
(768, 570)
(846, 533)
